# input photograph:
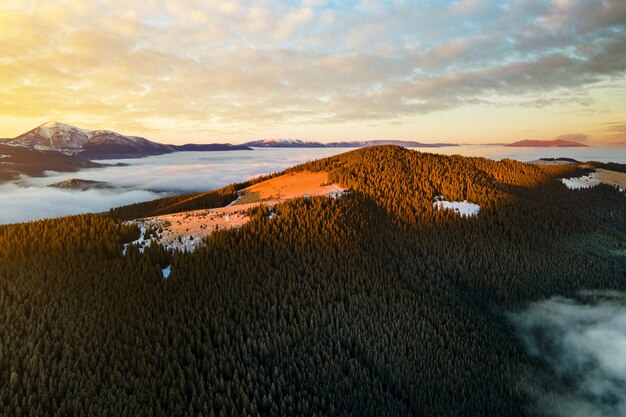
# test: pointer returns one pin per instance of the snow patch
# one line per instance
(463, 208)
(141, 241)
(162, 233)
(63, 128)
(232, 203)
(273, 214)
(337, 194)
(166, 271)
(586, 181)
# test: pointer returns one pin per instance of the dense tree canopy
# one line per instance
(374, 303)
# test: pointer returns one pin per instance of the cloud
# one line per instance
(583, 343)
(466, 6)
(251, 65)
(616, 132)
(372, 7)
(575, 137)
(616, 127)
(144, 179)
(33, 203)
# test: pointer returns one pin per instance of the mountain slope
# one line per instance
(372, 304)
(101, 144)
(403, 143)
(297, 143)
(60, 137)
(53, 136)
(557, 143)
(16, 161)
(283, 143)
(107, 144)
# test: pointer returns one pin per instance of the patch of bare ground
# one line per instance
(285, 187)
(612, 177)
(185, 231)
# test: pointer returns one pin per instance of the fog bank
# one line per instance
(583, 342)
(144, 179)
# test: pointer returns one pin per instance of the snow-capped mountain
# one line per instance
(105, 143)
(297, 143)
(53, 136)
(283, 143)
(403, 143)
(100, 144)
(70, 140)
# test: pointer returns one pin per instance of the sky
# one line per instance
(466, 71)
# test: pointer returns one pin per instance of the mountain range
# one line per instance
(297, 143)
(557, 143)
(101, 144)
(107, 144)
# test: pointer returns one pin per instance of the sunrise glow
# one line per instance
(467, 71)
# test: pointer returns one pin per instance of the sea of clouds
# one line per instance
(143, 179)
(148, 178)
(583, 343)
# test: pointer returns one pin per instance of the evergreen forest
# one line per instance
(375, 303)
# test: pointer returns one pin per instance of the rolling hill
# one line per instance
(376, 302)
(16, 161)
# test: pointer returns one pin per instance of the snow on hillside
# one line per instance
(57, 136)
(586, 181)
(61, 127)
(54, 136)
(140, 242)
(338, 192)
(463, 208)
(283, 143)
(599, 176)
(166, 271)
(186, 231)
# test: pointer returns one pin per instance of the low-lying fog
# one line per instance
(583, 342)
(144, 179)
(153, 177)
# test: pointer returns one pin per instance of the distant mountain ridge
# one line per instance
(557, 143)
(107, 144)
(297, 143)
(283, 143)
(101, 144)
(19, 160)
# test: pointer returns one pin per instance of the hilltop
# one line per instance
(381, 300)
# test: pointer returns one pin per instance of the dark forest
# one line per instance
(371, 304)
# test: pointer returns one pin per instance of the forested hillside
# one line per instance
(372, 304)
